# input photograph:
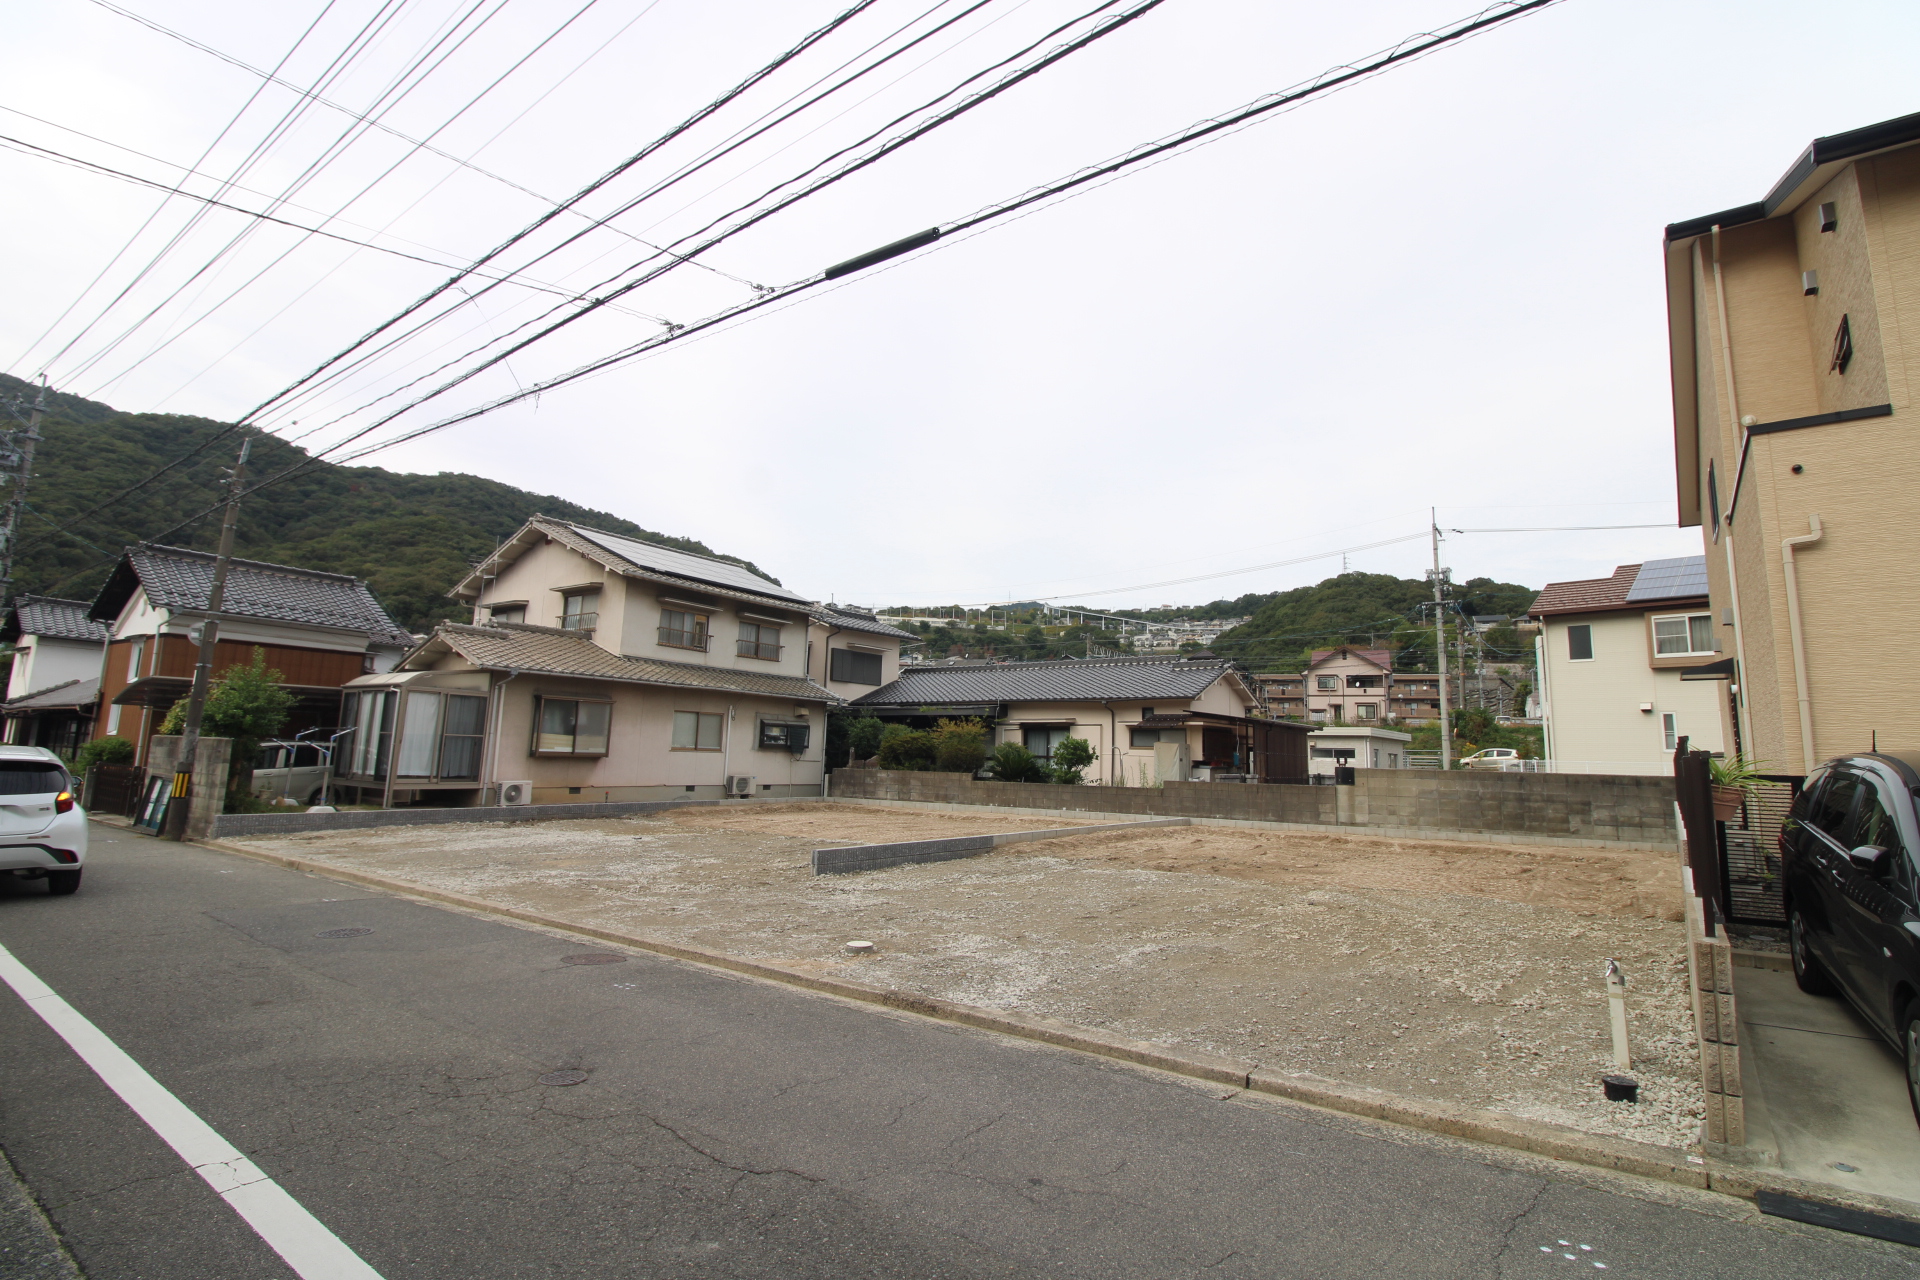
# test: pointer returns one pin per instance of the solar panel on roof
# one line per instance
(1670, 579)
(685, 564)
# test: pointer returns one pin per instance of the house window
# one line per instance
(1683, 634)
(1580, 642)
(1367, 711)
(776, 735)
(1713, 499)
(113, 718)
(759, 641)
(570, 727)
(1326, 684)
(1363, 682)
(1144, 739)
(683, 629)
(510, 613)
(581, 612)
(1042, 739)
(853, 667)
(1670, 729)
(135, 652)
(696, 731)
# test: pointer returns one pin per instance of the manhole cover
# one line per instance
(564, 1077)
(342, 933)
(595, 957)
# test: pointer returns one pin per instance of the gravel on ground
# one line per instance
(1458, 972)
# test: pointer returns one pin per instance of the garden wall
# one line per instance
(1582, 808)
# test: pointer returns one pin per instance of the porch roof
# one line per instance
(70, 696)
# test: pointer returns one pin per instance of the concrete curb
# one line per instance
(229, 826)
(846, 858)
(1664, 1164)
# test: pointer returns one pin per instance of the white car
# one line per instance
(43, 829)
(295, 771)
(1501, 758)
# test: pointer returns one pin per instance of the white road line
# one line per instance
(313, 1252)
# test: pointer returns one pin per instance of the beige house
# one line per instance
(1352, 685)
(597, 668)
(1794, 339)
(1124, 707)
(1615, 657)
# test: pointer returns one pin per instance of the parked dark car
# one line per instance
(1847, 853)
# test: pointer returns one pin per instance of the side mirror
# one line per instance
(1870, 858)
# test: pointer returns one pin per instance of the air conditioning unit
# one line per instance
(516, 793)
(739, 784)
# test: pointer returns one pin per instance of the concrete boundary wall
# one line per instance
(1623, 811)
(232, 826)
(900, 853)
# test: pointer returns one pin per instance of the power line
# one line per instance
(1567, 528)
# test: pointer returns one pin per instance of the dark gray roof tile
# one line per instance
(1079, 680)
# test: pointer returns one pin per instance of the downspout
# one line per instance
(1787, 546)
(1113, 744)
(490, 776)
(726, 752)
(1726, 526)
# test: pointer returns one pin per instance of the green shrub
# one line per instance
(863, 736)
(910, 749)
(1014, 763)
(1070, 760)
(959, 746)
(108, 750)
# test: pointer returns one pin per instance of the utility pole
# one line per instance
(1439, 576)
(23, 443)
(182, 795)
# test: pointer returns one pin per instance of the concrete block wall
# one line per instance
(1599, 809)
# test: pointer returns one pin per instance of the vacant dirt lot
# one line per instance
(1454, 971)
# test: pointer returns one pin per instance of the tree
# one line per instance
(959, 746)
(108, 750)
(1014, 763)
(863, 736)
(904, 748)
(1071, 758)
(248, 704)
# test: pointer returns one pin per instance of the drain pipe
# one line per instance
(492, 771)
(1787, 546)
(1726, 526)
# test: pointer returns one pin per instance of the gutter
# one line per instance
(1787, 546)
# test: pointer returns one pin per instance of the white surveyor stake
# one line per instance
(1617, 1006)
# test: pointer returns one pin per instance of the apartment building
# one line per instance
(1794, 343)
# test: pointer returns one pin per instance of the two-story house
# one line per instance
(1348, 685)
(54, 687)
(850, 651)
(1794, 355)
(1628, 666)
(598, 667)
(318, 630)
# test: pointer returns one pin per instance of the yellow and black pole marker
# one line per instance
(180, 800)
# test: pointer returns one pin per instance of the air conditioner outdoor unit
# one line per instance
(739, 784)
(516, 793)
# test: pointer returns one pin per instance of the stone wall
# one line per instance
(1580, 808)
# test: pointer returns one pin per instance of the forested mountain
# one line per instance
(1357, 608)
(410, 536)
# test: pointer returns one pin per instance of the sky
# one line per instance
(1438, 288)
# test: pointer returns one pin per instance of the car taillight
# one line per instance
(63, 802)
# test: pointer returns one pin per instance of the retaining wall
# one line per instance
(230, 826)
(899, 853)
(1588, 808)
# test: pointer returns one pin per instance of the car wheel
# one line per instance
(1910, 1043)
(319, 796)
(1807, 969)
(62, 881)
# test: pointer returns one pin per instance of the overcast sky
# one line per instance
(1440, 287)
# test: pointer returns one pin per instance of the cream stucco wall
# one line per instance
(1106, 727)
(1593, 706)
(630, 609)
(824, 637)
(41, 662)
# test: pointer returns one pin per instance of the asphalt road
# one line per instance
(726, 1127)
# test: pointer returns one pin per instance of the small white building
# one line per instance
(1361, 746)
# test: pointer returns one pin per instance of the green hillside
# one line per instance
(1356, 608)
(410, 536)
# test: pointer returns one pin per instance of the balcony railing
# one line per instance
(683, 639)
(755, 649)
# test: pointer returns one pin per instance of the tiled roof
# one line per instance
(550, 651)
(1378, 657)
(1681, 578)
(1586, 593)
(60, 697)
(176, 578)
(1079, 680)
(857, 620)
(53, 618)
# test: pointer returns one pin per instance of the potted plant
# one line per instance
(1733, 777)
